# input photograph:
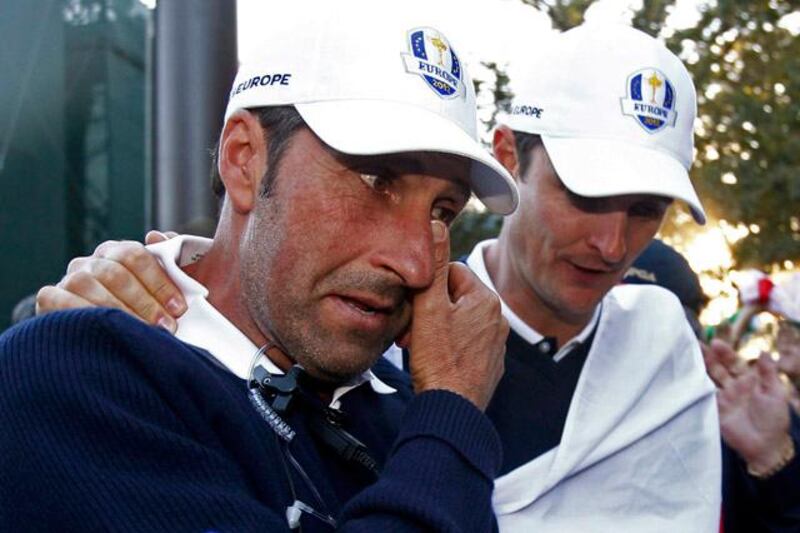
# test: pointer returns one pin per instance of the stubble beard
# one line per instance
(285, 313)
(330, 356)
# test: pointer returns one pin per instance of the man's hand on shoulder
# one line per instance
(458, 335)
(122, 275)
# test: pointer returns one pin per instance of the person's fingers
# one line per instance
(709, 355)
(148, 271)
(458, 334)
(725, 402)
(142, 264)
(432, 303)
(725, 353)
(91, 287)
(436, 296)
(744, 385)
(112, 285)
(51, 298)
(105, 246)
(719, 375)
(461, 281)
(77, 264)
(441, 250)
(714, 368)
(767, 370)
(155, 236)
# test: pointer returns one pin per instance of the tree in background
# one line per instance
(746, 68)
(747, 71)
(565, 15)
(475, 224)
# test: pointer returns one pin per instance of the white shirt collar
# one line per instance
(202, 325)
(477, 264)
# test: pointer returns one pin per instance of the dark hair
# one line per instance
(525, 143)
(280, 123)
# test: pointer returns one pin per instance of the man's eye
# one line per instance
(443, 213)
(378, 182)
(585, 203)
(653, 210)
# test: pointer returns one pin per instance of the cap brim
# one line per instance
(603, 167)
(372, 127)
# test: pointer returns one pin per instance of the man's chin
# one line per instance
(328, 375)
(581, 304)
(341, 368)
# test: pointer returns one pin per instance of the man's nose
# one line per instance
(406, 249)
(609, 236)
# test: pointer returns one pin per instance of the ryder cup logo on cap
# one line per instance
(434, 60)
(609, 101)
(370, 79)
(651, 100)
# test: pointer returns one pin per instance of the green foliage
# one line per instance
(747, 72)
(470, 228)
(500, 93)
(473, 225)
(650, 18)
(564, 14)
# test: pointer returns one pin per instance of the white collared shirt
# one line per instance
(202, 325)
(477, 263)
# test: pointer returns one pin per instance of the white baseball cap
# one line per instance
(370, 85)
(615, 110)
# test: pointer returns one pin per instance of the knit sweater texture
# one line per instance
(112, 425)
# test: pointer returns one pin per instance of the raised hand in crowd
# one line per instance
(753, 408)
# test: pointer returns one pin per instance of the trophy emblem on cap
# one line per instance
(655, 83)
(440, 45)
(653, 113)
(444, 75)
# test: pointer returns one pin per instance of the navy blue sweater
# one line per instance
(111, 425)
(531, 403)
(772, 505)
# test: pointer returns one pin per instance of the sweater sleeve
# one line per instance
(89, 443)
(439, 476)
(102, 433)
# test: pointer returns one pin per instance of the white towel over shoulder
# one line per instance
(640, 450)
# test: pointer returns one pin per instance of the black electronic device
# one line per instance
(274, 395)
(327, 424)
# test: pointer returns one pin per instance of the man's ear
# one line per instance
(242, 159)
(504, 148)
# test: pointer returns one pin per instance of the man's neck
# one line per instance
(526, 303)
(218, 271)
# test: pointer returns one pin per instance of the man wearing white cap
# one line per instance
(605, 413)
(607, 418)
(345, 154)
